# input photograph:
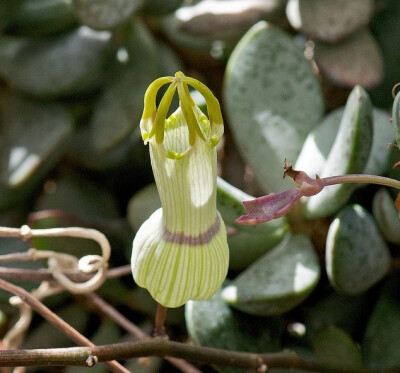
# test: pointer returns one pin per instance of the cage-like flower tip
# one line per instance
(153, 118)
(181, 251)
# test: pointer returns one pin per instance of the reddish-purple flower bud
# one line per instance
(271, 206)
(275, 205)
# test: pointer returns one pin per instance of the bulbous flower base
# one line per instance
(176, 268)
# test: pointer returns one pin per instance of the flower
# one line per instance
(275, 205)
(181, 251)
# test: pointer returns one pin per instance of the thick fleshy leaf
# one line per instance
(246, 247)
(379, 155)
(278, 281)
(355, 60)
(333, 344)
(319, 142)
(381, 345)
(356, 254)
(105, 14)
(33, 137)
(329, 20)
(349, 154)
(230, 202)
(42, 17)
(273, 100)
(386, 216)
(213, 323)
(396, 117)
(55, 66)
(215, 26)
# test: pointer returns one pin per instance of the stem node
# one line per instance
(91, 361)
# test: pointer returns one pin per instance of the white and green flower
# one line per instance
(181, 251)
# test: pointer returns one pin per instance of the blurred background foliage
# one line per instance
(309, 80)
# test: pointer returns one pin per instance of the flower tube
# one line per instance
(181, 251)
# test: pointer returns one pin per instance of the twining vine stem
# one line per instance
(162, 347)
(39, 275)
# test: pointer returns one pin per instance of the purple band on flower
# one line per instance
(201, 239)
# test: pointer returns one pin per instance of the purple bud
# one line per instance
(271, 206)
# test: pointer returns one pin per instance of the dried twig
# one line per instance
(162, 347)
(61, 264)
(59, 323)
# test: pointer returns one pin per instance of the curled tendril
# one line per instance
(394, 89)
(61, 265)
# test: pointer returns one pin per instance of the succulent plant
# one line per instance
(309, 81)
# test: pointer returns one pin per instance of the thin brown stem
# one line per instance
(26, 256)
(119, 271)
(159, 328)
(361, 179)
(32, 275)
(162, 347)
(56, 321)
(131, 328)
